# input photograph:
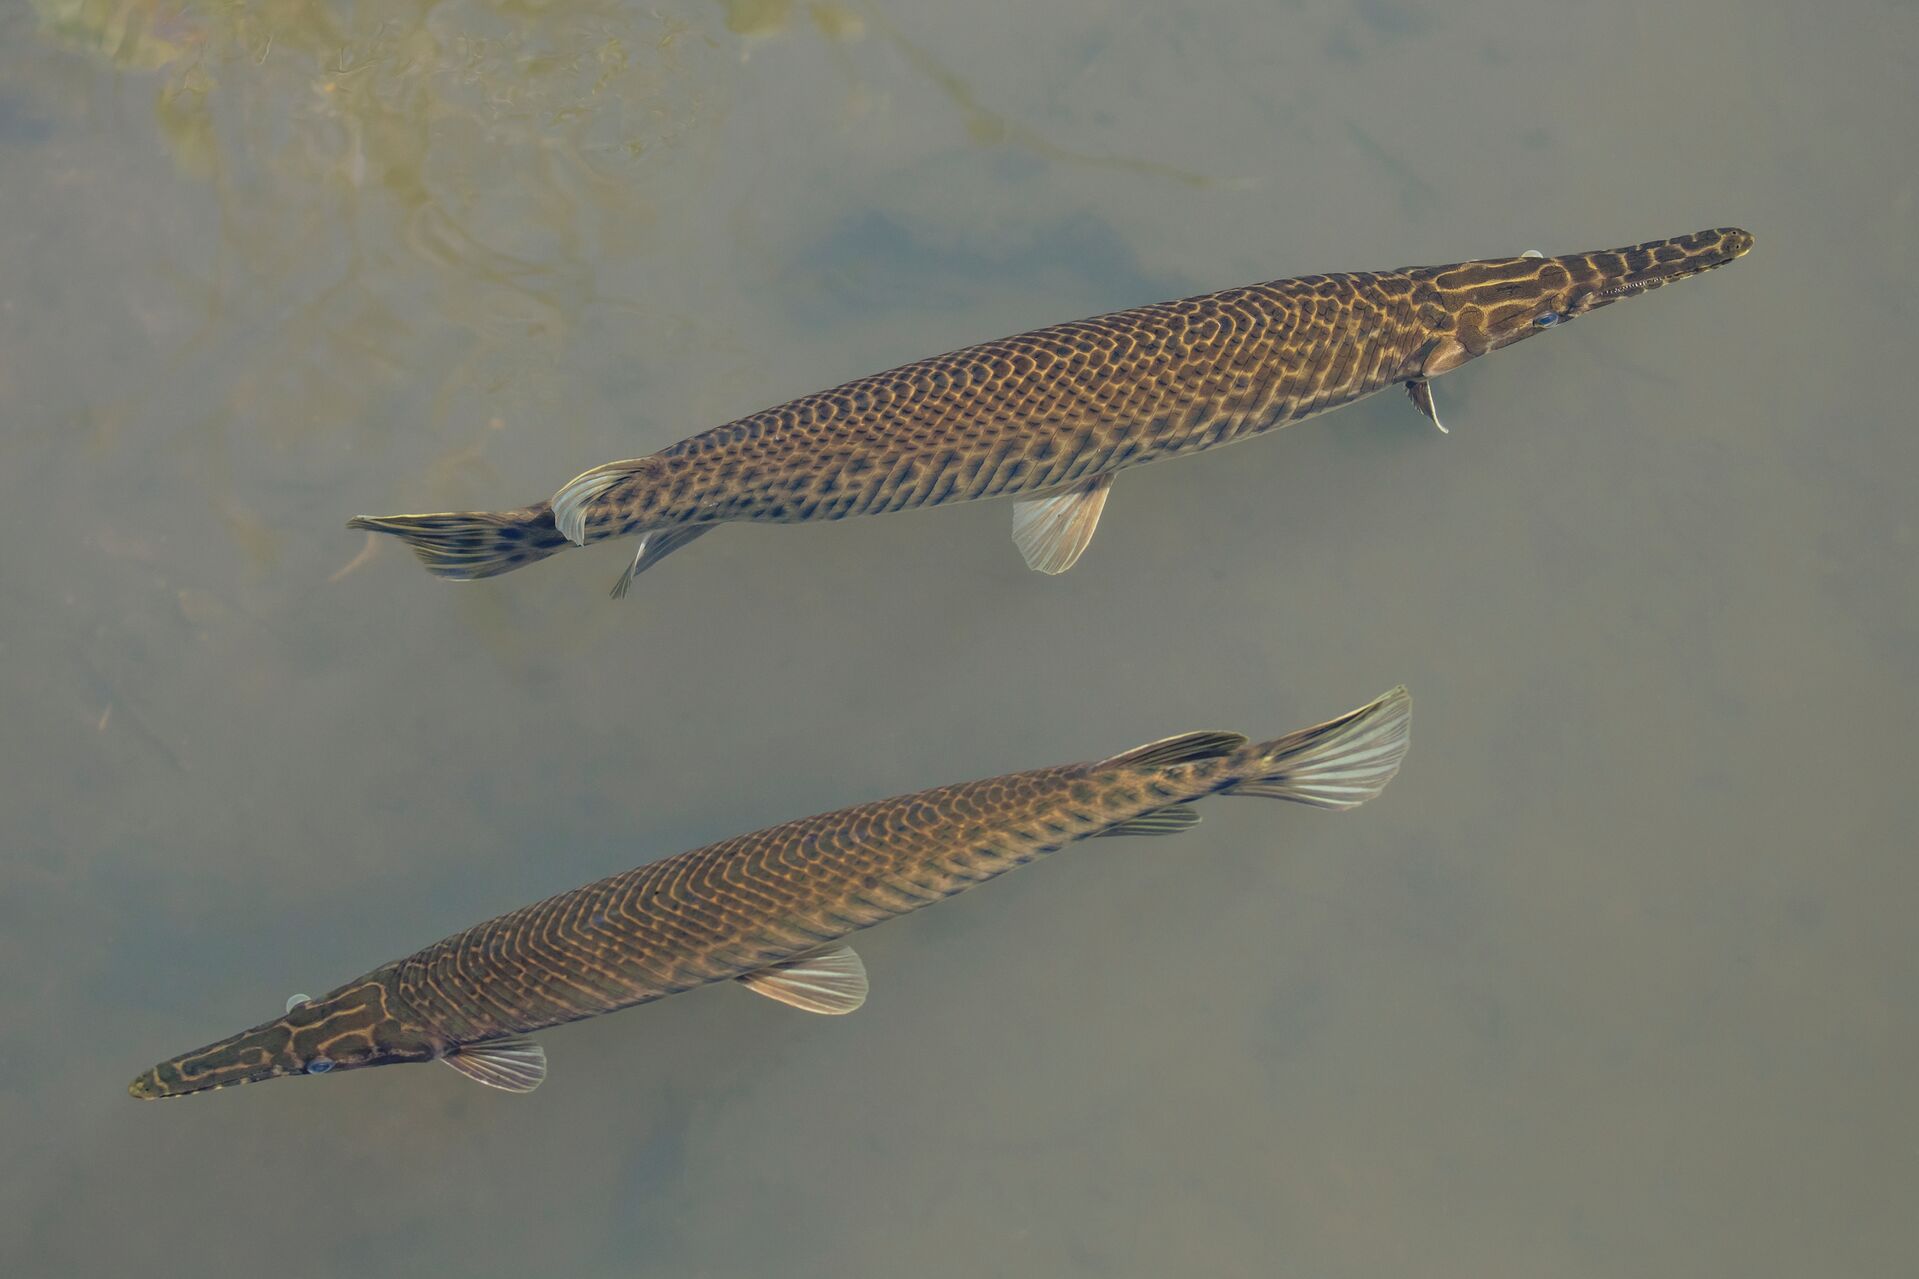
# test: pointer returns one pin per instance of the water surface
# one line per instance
(1616, 978)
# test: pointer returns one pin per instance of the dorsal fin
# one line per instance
(571, 502)
(1182, 749)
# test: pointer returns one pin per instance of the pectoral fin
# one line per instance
(511, 1065)
(831, 981)
(1421, 392)
(1052, 531)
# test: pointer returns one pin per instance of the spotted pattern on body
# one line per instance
(747, 904)
(1045, 411)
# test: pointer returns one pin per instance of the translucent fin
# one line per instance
(1422, 397)
(1183, 749)
(654, 547)
(511, 1065)
(1339, 764)
(465, 545)
(1532, 253)
(831, 981)
(570, 503)
(1052, 532)
(1161, 821)
(294, 1001)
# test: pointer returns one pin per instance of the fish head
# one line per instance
(354, 1026)
(1475, 307)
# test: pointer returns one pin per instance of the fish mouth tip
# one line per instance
(148, 1087)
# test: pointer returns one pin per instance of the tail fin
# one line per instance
(1339, 764)
(465, 545)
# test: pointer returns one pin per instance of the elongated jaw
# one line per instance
(1480, 307)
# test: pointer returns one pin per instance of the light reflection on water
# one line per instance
(1615, 976)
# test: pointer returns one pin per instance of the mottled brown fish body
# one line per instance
(742, 904)
(1046, 411)
(746, 905)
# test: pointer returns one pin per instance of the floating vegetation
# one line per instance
(415, 200)
(407, 212)
(596, 81)
(757, 17)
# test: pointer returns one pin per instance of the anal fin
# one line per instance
(1421, 393)
(1161, 821)
(656, 545)
(1053, 531)
(511, 1065)
(831, 980)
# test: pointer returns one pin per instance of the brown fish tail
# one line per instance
(1339, 764)
(467, 545)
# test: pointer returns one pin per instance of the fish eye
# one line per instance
(1546, 320)
(319, 1065)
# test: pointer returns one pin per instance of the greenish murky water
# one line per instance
(1617, 978)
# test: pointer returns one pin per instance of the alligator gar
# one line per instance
(770, 909)
(1050, 417)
